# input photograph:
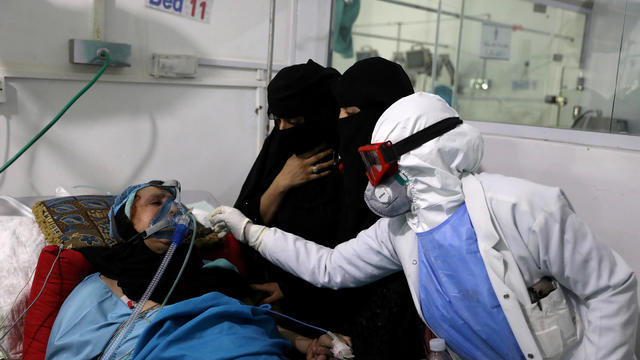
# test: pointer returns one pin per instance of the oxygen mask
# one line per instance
(172, 213)
(162, 204)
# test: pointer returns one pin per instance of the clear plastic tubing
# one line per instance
(178, 237)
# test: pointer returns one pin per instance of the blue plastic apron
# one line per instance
(456, 296)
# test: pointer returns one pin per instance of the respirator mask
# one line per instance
(387, 193)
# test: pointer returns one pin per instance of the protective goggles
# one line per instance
(381, 159)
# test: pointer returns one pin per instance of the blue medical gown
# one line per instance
(87, 320)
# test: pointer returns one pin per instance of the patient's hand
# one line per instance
(320, 348)
(272, 288)
(313, 348)
(317, 351)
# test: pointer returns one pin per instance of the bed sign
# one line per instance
(191, 9)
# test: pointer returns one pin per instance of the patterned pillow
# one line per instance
(78, 221)
(75, 221)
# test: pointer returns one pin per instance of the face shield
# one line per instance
(381, 159)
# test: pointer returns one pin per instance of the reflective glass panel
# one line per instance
(569, 64)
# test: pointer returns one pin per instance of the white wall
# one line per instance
(130, 127)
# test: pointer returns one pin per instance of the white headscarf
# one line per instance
(435, 168)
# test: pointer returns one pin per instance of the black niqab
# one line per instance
(297, 90)
(382, 319)
(310, 210)
(372, 84)
(305, 90)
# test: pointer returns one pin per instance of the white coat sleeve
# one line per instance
(597, 275)
(357, 262)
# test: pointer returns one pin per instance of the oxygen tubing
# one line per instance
(184, 263)
(128, 324)
(107, 59)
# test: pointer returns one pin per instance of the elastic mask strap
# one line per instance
(392, 153)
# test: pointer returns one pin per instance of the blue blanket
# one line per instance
(212, 327)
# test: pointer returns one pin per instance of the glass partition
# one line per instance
(569, 64)
(626, 104)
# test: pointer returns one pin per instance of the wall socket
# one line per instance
(3, 90)
(174, 66)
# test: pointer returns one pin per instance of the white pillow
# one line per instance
(20, 243)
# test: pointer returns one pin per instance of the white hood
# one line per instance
(435, 168)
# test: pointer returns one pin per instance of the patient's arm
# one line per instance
(272, 289)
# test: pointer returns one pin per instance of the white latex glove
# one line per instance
(225, 218)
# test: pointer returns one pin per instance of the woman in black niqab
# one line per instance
(311, 209)
(383, 322)
(370, 85)
(302, 90)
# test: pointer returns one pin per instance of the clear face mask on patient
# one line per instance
(163, 223)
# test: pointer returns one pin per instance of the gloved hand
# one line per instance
(225, 218)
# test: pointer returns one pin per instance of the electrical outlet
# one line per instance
(3, 90)
(87, 52)
(174, 66)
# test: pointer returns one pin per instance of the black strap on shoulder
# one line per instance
(392, 152)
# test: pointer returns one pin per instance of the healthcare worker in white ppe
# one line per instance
(500, 267)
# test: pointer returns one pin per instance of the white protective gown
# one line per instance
(525, 231)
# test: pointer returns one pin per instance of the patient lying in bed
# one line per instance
(204, 318)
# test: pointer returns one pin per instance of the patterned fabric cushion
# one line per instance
(75, 221)
(78, 221)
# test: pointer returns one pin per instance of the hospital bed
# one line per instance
(21, 243)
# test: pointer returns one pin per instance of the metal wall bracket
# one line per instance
(87, 52)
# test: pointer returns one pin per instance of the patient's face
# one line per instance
(146, 206)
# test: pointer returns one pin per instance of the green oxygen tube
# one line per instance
(103, 53)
